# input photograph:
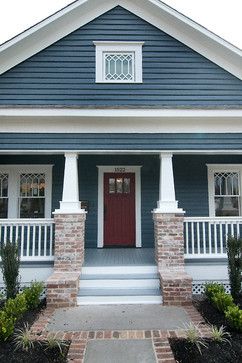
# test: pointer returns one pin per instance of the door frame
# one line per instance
(100, 216)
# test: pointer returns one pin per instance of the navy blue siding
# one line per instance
(173, 74)
(178, 141)
(190, 174)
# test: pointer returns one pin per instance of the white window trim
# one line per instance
(14, 172)
(103, 47)
(113, 169)
(213, 168)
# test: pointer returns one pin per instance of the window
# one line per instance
(224, 190)
(3, 195)
(119, 62)
(119, 185)
(25, 191)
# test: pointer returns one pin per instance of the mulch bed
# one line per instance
(39, 354)
(185, 352)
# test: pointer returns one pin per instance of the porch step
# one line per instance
(119, 285)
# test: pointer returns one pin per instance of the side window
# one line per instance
(3, 195)
(32, 196)
(224, 192)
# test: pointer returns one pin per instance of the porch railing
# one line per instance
(205, 237)
(35, 237)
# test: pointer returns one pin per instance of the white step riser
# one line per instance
(118, 300)
(124, 270)
(128, 283)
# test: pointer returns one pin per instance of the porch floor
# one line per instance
(119, 257)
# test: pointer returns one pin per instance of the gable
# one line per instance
(174, 75)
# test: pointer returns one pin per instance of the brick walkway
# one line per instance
(80, 339)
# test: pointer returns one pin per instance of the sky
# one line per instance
(223, 17)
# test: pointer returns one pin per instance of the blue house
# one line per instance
(120, 153)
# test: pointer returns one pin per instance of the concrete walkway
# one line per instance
(118, 317)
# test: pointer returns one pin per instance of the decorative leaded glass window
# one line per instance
(3, 195)
(224, 187)
(32, 196)
(227, 194)
(119, 62)
(119, 66)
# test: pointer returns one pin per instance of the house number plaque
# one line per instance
(119, 170)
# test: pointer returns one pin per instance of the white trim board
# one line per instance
(111, 169)
(117, 124)
(122, 152)
(155, 12)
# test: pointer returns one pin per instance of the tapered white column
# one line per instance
(70, 197)
(167, 201)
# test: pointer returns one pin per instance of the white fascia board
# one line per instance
(155, 12)
(103, 113)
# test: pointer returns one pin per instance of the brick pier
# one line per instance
(176, 284)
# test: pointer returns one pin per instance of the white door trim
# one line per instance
(117, 169)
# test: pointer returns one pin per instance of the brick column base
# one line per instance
(63, 284)
(62, 289)
(176, 284)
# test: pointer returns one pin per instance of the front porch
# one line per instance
(47, 241)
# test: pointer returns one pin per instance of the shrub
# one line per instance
(10, 268)
(32, 294)
(234, 317)
(222, 301)
(234, 251)
(15, 307)
(213, 288)
(6, 325)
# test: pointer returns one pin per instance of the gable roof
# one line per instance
(155, 12)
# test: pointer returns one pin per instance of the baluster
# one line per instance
(192, 236)
(11, 226)
(51, 239)
(204, 238)
(22, 240)
(28, 240)
(198, 238)
(45, 239)
(209, 238)
(215, 238)
(33, 238)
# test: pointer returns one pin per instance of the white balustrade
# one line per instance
(34, 237)
(206, 237)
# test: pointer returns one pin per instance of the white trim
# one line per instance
(111, 169)
(155, 12)
(212, 168)
(103, 47)
(117, 112)
(14, 172)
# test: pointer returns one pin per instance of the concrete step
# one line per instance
(119, 271)
(118, 292)
(111, 300)
(120, 283)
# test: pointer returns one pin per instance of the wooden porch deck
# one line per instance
(119, 257)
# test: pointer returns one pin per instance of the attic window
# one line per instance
(118, 62)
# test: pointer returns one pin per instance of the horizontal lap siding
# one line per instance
(191, 181)
(173, 74)
(178, 141)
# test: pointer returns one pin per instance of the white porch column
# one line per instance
(70, 197)
(167, 201)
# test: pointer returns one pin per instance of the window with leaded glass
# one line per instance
(119, 66)
(32, 195)
(226, 194)
(224, 187)
(119, 62)
(3, 195)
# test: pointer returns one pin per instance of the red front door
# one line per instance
(119, 209)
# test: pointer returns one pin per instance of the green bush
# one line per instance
(16, 307)
(10, 268)
(234, 317)
(222, 301)
(212, 288)
(32, 294)
(6, 325)
(234, 251)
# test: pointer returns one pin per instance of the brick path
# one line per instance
(80, 339)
